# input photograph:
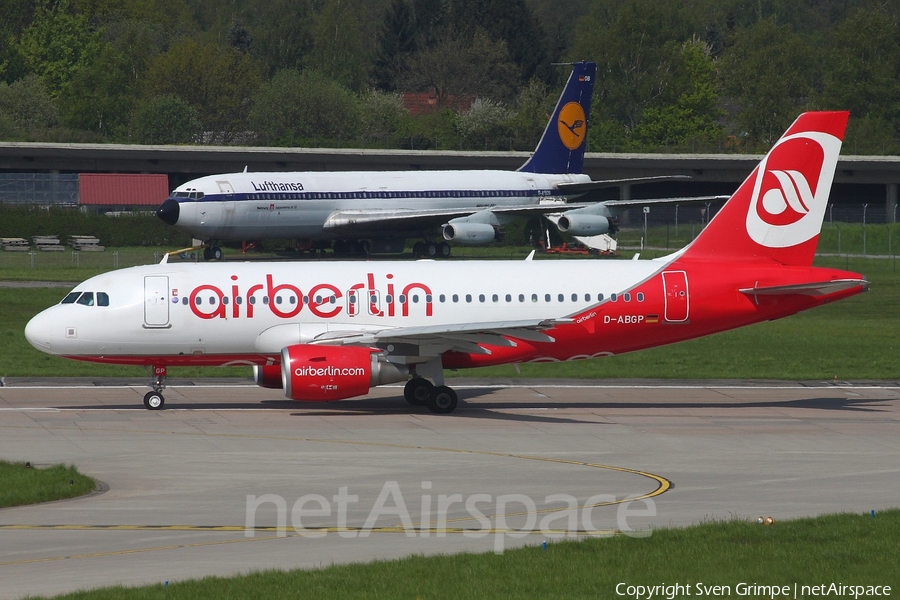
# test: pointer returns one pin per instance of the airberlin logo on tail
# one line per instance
(791, 189)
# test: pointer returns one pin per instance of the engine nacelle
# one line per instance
(470, 234)
(325, 373)
(268, 376)
(582, 224)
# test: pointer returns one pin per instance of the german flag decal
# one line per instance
(652, 319)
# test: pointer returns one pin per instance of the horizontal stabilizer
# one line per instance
(819, 288)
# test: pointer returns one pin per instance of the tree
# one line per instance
(769, 72)
(457, 67)
(217, 81)
(296, 108)
(26, 105)
(863, 74)
(166, 120)
(100, 94)
(17, 14)
(382, 115)
(337, 44)
(57, 43)
(509, 20)
(395, 39)
(632, 44)
(485, 120)
(688, 108)
(534, 105)
(282, 33)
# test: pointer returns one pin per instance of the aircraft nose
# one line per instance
(168, 211)
(38, 332)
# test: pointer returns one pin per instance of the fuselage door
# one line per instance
(677, 299)
(156, 301)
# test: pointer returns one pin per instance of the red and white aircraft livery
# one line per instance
(330, 331)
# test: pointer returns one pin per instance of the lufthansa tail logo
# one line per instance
(571, 125)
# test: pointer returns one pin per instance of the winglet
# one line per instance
(561, 149)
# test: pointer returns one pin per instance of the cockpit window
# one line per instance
(192, 194)
(87, 299)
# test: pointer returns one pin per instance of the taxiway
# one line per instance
(378, 479)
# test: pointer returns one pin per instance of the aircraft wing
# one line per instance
(443, 338)
(573, 189)
(646, 201)
(348, 221)
(356, 222)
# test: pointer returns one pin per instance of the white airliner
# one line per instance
(386, 207)
(327, 331)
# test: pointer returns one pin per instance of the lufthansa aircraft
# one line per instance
(330, 331)
(386, 207)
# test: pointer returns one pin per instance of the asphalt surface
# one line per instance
(376, 478)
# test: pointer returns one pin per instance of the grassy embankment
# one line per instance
(843, 549)
(29, 485)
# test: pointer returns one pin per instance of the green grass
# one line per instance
(29, 485)
(847, 548)
(836, 238)
(853, 339)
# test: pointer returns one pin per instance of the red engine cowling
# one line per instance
(268, 376)
(324, 373)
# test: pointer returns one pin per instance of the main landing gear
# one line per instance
(154, 400)
(431, 250)
(212, 252)
(439, 399)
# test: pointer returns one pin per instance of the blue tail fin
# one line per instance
(561, 149)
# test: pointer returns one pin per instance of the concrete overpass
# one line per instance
(859, 179)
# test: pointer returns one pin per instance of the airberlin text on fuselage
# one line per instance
(323, 300)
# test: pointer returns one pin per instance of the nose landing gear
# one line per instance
(154, 400)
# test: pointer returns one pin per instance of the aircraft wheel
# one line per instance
(154, 400)
(431, 249)
(442, 400)
(419, 249)
(417, 391)
(444, 250)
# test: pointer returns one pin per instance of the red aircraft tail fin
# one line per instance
(777, 212)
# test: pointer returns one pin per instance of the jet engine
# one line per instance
(268, 376)
(325, 373)
(470, 234)
(582, 224)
